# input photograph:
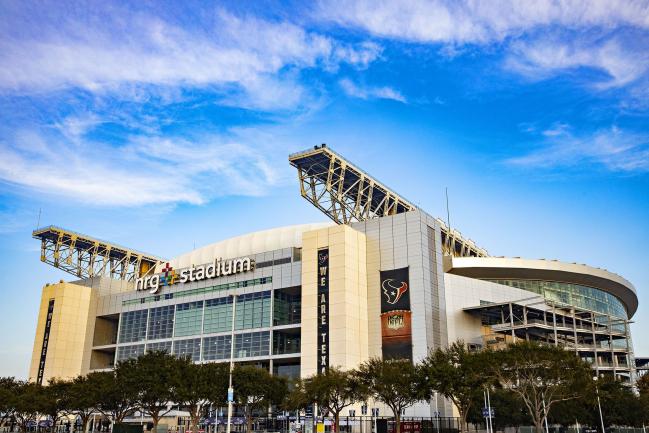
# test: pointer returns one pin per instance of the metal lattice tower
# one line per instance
(346, 194)
(343, 191)
(86, 257)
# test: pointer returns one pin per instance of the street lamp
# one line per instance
(599, 404)
(437, 409)
(230, 389)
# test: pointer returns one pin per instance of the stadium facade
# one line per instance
(382, 279)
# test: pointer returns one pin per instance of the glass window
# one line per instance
(189, 319)
(287, 307)
(585, 297)
(161, 322)
(252, 344)
(127, 352)
(133, 326)
(290, 371)
(253, 310)
(286, 341)
(160, 346)
(215, 348)
(191, 348)
(218, 315)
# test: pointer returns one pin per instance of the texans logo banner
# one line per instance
(396, 316)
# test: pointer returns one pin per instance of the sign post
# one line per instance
(230, 389)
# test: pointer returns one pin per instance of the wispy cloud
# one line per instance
(479, 22)
(248, 57)
(143, 171)
(585, 33)
(621, 62)
(365, 92)
(614, 148)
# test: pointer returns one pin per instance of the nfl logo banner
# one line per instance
(396, 316)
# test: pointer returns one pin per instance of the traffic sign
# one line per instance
(488, 412)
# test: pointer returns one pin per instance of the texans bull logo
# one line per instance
(323, 257)
(393, 290)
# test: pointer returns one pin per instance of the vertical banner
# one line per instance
(323, 310)
(46, 338)
(396, 316)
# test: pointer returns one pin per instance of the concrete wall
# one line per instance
(408, 240)
(72, 327)
(348, 313)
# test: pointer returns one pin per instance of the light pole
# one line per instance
(486, 420)
(437, 409)
(230, 389)
(491, 421)
(599, 404)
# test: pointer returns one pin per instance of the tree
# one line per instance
(54, 397)
(116, 396)
(509, 410)
(333, 390)
(459, 375)
(8, 388)
(297, 397)
(156, 376)
(622, 406)
(583, 410)
(643, 384)
(542, 376)
(27, 404)
(396, 383)
(255, 388)
(81, 399)
(199, 385)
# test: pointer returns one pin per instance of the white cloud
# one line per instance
(541, 58)
(479, 22)
(363, 92)
(74, 127)
(146, 170)
(360, 56)
(613, 148)
(524, 29)
(251, 56)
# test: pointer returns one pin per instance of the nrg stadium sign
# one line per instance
(169, 276)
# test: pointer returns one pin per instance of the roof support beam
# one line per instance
(86, 257)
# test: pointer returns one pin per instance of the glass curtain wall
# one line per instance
(161, 322)
(190, 348)
(192, 319)
(216, 348)
(253, 310)
(585, 297)
(218, 315)
(189, 319)
(133, 326)
(127, 352)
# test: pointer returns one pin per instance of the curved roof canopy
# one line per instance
(248, 244)
(502, 268)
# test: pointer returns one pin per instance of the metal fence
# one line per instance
(357, 424)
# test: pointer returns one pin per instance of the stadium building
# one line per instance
(384, 278)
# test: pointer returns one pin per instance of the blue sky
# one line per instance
(164, 126)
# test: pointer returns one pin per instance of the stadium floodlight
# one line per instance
(86, 257)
